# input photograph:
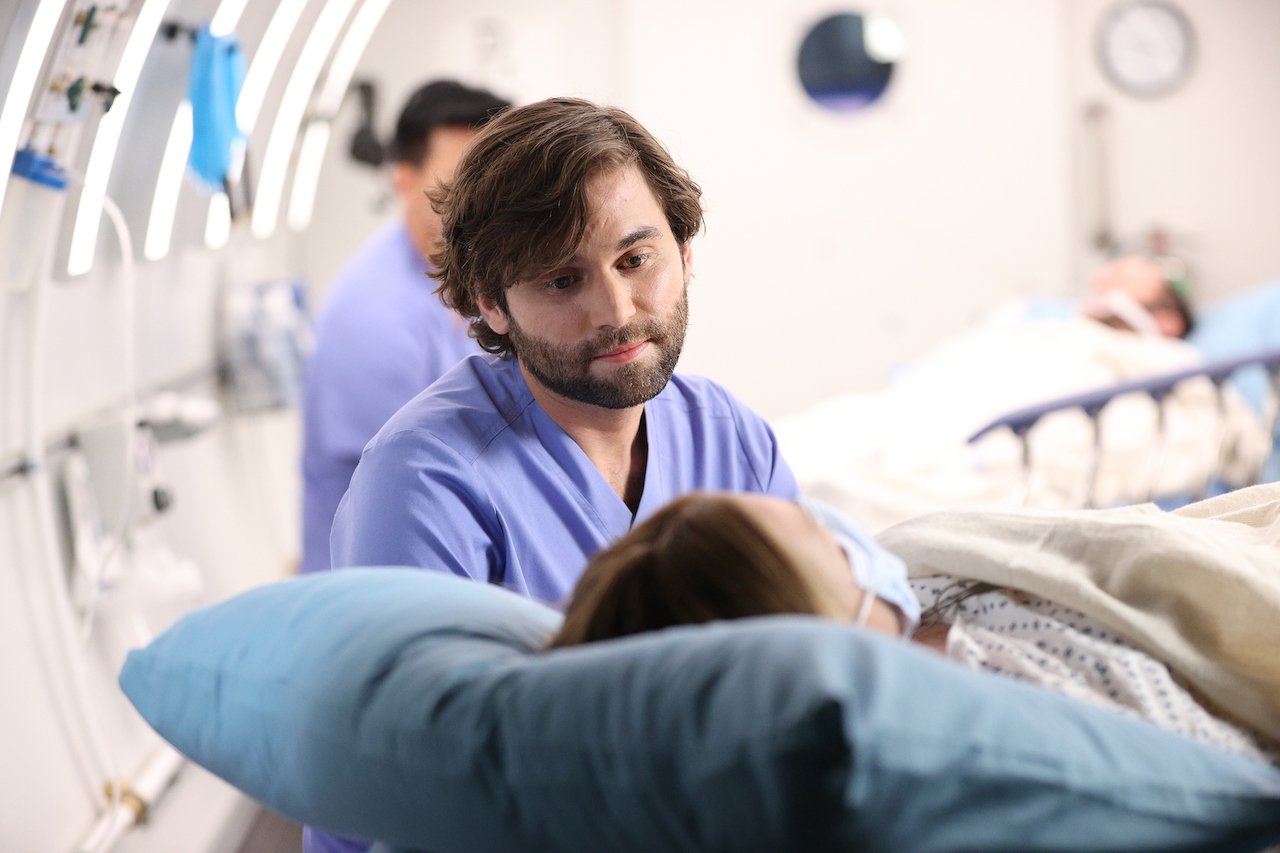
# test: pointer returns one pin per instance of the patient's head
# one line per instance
(709, 556)
(1156, 286)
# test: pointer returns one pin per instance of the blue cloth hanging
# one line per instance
(217, 73)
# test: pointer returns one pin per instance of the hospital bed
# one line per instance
(1158, 390)
(1114, 418)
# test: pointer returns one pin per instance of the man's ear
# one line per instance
(686, 260)
(493, 314)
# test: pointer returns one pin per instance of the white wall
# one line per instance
(837, 246)
(1204, 161)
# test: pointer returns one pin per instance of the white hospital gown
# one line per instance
(1036, 640)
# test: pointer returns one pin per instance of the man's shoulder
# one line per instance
(705, 409)
(382, 267)
(465, 410)
(692, 393)
(385, 245)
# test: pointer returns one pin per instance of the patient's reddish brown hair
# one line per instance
(699, 559)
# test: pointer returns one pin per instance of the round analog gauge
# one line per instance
(1146, 47)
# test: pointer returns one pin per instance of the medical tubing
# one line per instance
(128, 298)
(131, 802)
(126, 805)
(94, 753)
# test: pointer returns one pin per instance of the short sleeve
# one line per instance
(761, 448)
(414, 501)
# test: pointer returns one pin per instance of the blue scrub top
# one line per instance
(473, 477)
(382, 337)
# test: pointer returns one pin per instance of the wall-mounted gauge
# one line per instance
(1146, 47)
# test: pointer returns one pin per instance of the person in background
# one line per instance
(1142, 294)
(383, 335)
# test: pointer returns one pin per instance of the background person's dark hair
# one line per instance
(517, 206)
(1183, 306)
(442, 103)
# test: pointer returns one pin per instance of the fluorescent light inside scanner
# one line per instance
(265, 60)
(217, 229)
(48, 13)
(164, 205)
(226, 17)
(315, 141)
(348, 55)
(306, 176)
(293, 106)
(84, 236)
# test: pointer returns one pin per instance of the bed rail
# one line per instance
(1021, 421)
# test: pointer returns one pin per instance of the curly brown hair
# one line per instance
(517, 206)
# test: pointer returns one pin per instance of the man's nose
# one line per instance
(612, 302)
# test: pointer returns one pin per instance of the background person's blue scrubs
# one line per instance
(382, 337)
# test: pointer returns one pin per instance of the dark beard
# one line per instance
(567, 370)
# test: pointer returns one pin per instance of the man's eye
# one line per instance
(560, 282)
(633, 261)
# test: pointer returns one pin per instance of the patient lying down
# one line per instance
(710, 556)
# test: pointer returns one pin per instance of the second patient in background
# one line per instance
(1145, 294)
(383, 335)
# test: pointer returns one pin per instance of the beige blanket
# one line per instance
(1199, 589)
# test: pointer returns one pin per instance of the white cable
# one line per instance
(129, 492)
(158, 773)
(150, 782)
(94, 752)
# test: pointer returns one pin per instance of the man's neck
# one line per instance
(611, 438)
(422, 247)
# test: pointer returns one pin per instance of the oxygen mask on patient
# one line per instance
(1118, 309)
(875, 570)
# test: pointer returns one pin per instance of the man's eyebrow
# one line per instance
(639, 235)
(636, 235)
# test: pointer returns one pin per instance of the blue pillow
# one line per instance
(416, 708)
(1238, 326)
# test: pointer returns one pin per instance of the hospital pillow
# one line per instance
(1238, 326)
(1241, 325)
(415, 707)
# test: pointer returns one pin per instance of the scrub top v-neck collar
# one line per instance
(589, 486)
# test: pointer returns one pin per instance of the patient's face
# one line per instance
(1143, 282)
(809, 544)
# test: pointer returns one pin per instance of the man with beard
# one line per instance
(566, 243)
